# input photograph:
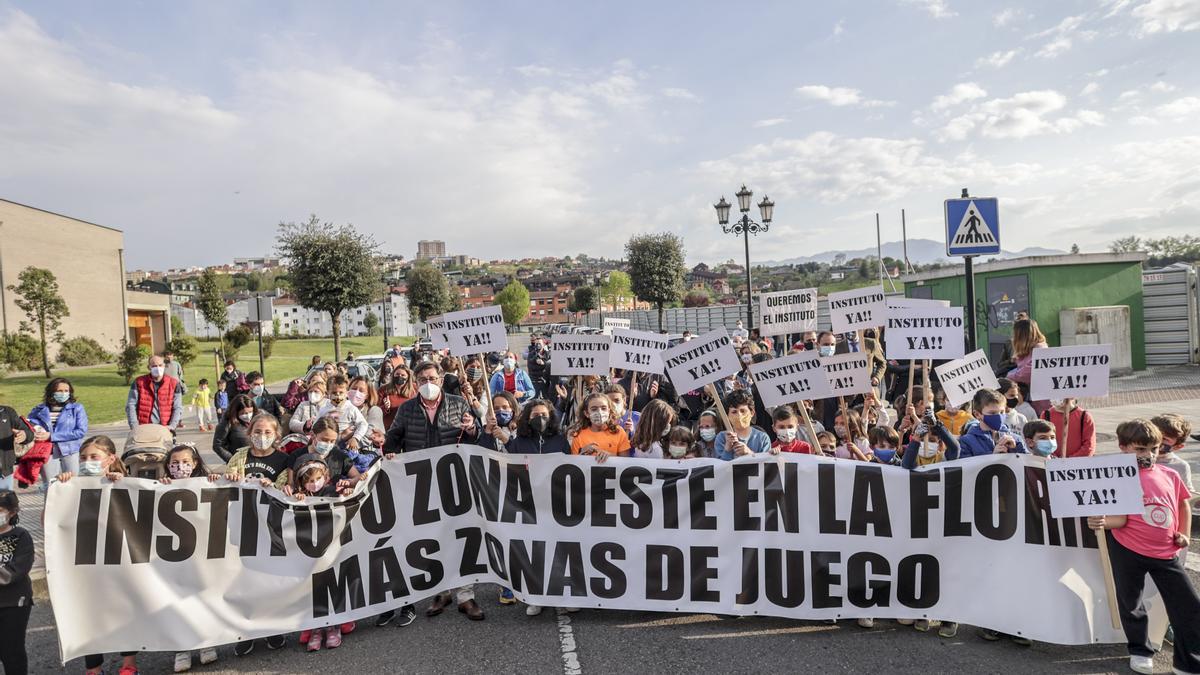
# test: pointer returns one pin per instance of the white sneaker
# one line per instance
(571, 610)
(867, 622)
(183, 661)
(1141, 664)
(533, 610)
(207, 656)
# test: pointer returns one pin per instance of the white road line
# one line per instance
(674, 621)
(567, 647)
(759, 633)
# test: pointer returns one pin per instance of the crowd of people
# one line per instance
(321, 435)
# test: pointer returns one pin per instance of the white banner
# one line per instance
(791, 378)
(962, 378)
(1104, 485)
(579, 354)
(895, 301)
(637, 350)
(1069, 372)
(702, 360)
(436, 327)
(610, 324)
(474, 331)
(788, 311)
(857, 309)
(196, 564)
(848, 374)
(924, 332)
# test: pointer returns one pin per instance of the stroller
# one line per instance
(145, 449)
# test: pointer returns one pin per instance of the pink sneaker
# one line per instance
(348, 628)
(314, 640)
(333, 638)
(304, 636)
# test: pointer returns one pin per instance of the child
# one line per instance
(708, 425)
(352, 426)
(310, 408)
(202, 399)
(221, 401)
(595, 431)
(1039, 438)
(1081, 439)
(742, 439)
(953, 417)
(855, 443)
(324, 444)
(988, 433)
(16, 590)
(1150, 543)
(787, 428)
(885, 441)
(1174, 430)
(828, 443)
(655, 423)
(263, 459)
(680, 443)
(1014, 416)
(626, 419)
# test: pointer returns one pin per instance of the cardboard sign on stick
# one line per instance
(788, 311)
(473, 331)
(924, 332)
(792, 378)
(702, 360)
(637, 350)
(1069, 372)
(962, 378)
(848, 374)
(857, 309)
(579, 354)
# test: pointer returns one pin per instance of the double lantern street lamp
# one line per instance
(746, 227)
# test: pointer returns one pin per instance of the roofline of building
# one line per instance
(1026, 262)
(62, 215)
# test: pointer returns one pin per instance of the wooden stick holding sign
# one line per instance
(712, 391)
(701, 362)
(1066, 435)
(1110, 586)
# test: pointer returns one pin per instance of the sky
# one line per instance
(529, 128)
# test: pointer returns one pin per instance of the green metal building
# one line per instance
(1042, 286)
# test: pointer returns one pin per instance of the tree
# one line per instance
(656, 261)
(210, 302)
(37, 296)
(183, 346)
(1126, 245)
(585, 299)
(177, 326)
(428, 292)
(1074, 249)
(696, 298)
(617, 286)
(234, 339)
(332, 267)
(131, 360)
(370, 322)
(514, 302)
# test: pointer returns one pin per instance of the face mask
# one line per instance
(91, 467)
(786, 435)
(929, 449)
(1045, 447)
(503, 417)
(3, 519)
(157, 371)
(509, 364)
(810, 345)
(994, 422)
(677, 450)
(324, 447)
(743, 419)
(246, 417)
(1012, 403)
(357, 398)
(746, 358)
(839, 430)
(62, 396)
(598, 417)
(262, 442)
(708, 434)
(539, 423)
(400, 381)
(430, 391)
(337, 398)
(315, 485)
(884, 455)
(1145, 462)
(314, 397)
(180, 469)
(1056, 402)
(474, 373)
(826, 350)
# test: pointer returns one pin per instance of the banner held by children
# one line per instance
(1069, 372)
(924, 332)
(788, 311)
(791, 378)
(702, 360)
(857, 309)
(579, 354)
(848, 374)
(637, 350)
(1103, 485)
(963, 377)
(475, 331)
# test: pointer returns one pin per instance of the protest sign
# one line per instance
(788, 312)
(611, 324)
(963, 377)
(637, 350)
(700, 361)
(474, 331)
(579, 354)
(848, 374)
(436, 327)
(1103, 485)
(857, 309)
(924, 332)
(196, 564)
(1069, 372)
(791, 378)
(895, 301)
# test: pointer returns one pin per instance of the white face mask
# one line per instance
(598, 417)
(3, 518)
(929, 449)
(262, 442)
(257, 390)
(324, 447)
(746, 358)
(509, 364)
(786, 435)
(315, 486)
(826, 350)
(677, 450)
(246, 417)
(315, 397)
(157, 371)
(356, 397)
(708, 434)
(430, 391)
(91, 467)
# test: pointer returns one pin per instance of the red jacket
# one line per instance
(166, 399)
(1081, 441)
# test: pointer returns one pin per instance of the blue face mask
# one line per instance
(62, 396)
(503, 417)
(884, 455)
(994, 422)
(1045, 447)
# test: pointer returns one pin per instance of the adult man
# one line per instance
(263, 400)
(870, 346)
(154, 398)
(740, 332)
(174, 369)
(428, 420)
(538, 361)
(15, 435)
(512, 379)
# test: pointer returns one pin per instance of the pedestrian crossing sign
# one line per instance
(973, 226)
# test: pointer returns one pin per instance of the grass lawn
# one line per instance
(103, 392)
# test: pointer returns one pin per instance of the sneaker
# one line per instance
(1141, 664)
(408, 614)
(533, 610)
(127, 670)
(867, 623)
(333, 638)
(304, 635)
(348, 628)
(905, 622)
(276, 641)
(831, 622)
(989, 634)
(207, 656)
(314, 641)
(1022, 640)
(506, 597)
(571, 610)
(244, 647)
(183, 661)
(923, 625)
(949, 629)
(384, 619)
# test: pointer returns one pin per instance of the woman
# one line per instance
(362, 395)
(235, 380)
(746, 355)
(512, 379)
(399, 389)
(655, 423)
(62, 420)
(233, 431)
(500, 429)
(477, 376)
(307, 412)
(1026, 337)
(537, 431)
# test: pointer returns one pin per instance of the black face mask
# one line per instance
(539, 424)
(1012, 403)
(810, 345)
(1145, 462)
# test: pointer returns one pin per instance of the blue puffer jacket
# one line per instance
(68, 433)
(975, 442)
(522, 381)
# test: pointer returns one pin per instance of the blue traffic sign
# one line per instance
(973, 226)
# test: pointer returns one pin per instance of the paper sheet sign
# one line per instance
(857, 309)
(1104, 485)
(924, 332)
(437, 332)
(637, 350)
(472, 331)
(896, 301)
(611, 324)
(791, 378)
(579, 354)
(848, 374)
(788, 311)
(701, 361)
(1069, 372)
(962, 378)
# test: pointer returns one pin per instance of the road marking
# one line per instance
(758, 633)
(674, 621)
(567, 645)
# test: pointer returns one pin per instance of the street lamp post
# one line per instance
(383, 309)
(746, 227)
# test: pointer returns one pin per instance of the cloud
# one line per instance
(839, 28)
(774, 121)
(1009, 16)
(1030, 113)
(1163, 87)
(959, 93)
(680, 93)
(534, 70)
(1089, 89)
(1180, 108)
(938, 9)
(997, 59)
(1062, 36)
(1167, 16)
(839, 96)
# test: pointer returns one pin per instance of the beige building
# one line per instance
(87, 259)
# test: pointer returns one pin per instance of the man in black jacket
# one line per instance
(15, 437)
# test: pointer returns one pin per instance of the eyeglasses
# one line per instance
(428, 380)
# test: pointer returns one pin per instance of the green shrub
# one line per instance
(132, 360)
(22, 352)
(83, 351)
(183, 346)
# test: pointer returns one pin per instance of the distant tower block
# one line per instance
(427, 250)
